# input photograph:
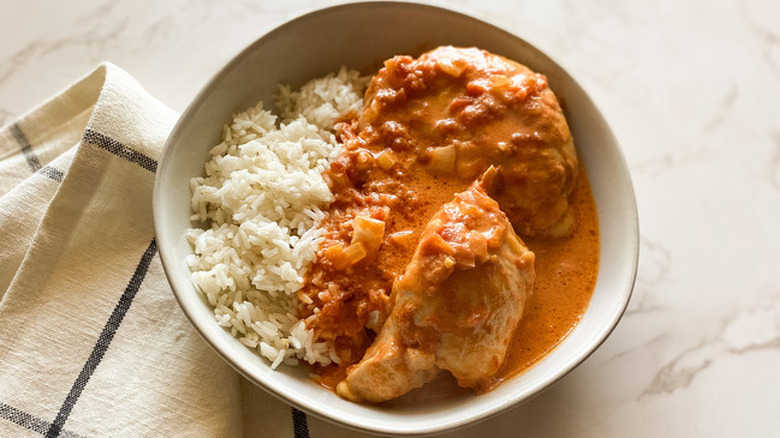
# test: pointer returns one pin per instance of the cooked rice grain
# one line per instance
(260, 203)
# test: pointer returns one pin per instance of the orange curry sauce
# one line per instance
(394, 172)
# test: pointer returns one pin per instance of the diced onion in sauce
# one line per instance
(355, 253)
(369, 232)
(452, 67)
(364, 160)
(386, 159)
(443, 158)
(499, 81)
(338, 179)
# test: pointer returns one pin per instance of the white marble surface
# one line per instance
(692, 91)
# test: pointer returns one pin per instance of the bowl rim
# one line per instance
(168, 260)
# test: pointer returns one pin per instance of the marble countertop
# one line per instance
(692, 91)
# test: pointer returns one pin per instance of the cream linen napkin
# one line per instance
(92, 342)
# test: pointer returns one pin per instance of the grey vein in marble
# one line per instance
(747, 330)
(94, 31)
(770, 39)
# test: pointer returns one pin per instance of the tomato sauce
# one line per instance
(566, 271)
(430, 127)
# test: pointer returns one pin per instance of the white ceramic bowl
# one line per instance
(361, 36)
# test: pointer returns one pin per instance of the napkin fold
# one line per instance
(92, 342)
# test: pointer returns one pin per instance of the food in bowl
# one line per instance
(456, 305)
(381, 242)
(259, 203)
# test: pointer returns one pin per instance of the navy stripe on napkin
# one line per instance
(30, 422)
(52, 173)
(300, 424)
(106, 336)
(120, 150)
(27, 151)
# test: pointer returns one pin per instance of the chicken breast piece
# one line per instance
(456, 306)
(462, 110)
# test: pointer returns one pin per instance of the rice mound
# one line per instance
(260, 203)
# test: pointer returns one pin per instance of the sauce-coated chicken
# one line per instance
(461, 110)
(430, 127)
(456, 306)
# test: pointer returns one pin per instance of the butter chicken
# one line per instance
(455, 154)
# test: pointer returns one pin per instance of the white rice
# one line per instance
(260, 203)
